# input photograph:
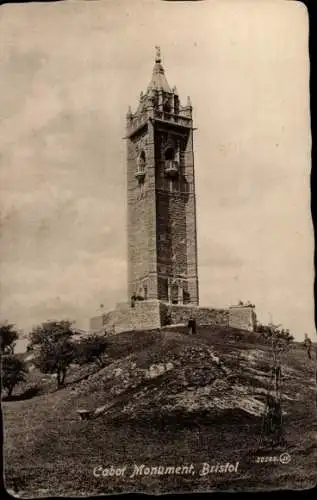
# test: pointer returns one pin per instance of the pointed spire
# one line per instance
(189, 102)
(129, 113)
(158, 81)
(174, 90)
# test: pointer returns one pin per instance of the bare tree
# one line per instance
(279, 341)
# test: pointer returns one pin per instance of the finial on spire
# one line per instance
(189, 103)
(158, 54)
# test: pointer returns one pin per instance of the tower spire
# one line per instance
(158, 81)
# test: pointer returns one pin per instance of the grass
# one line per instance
(48, 450)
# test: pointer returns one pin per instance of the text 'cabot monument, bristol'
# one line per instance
(163, 285)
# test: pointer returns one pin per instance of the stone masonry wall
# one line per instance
(151, 314)
(242, 317)
(144, 315)
(176, 214)
(96, 323)
(141, 210)
(191, 230)
(99, 324)
(171, 233)
(179, 314)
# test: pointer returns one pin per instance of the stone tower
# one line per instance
(162, 241)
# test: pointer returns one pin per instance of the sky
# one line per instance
(69, 72)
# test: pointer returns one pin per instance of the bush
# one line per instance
(279, 339)
(8, 338)
(91, 350)
(13, 371)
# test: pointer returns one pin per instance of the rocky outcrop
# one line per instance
(180, 376)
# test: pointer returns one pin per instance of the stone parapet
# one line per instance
(151, 314)
(242, 317)
(145, 315)
(180, 314)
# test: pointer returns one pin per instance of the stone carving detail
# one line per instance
(140, 145)
(167, 142)
(176, 281)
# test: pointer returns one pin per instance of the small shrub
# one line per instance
(8, 338)
(91, 350)
(13, 371)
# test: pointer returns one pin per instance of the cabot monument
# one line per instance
(162, 281)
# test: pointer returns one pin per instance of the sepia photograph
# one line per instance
(157, 307)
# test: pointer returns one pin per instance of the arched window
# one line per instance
(140, 170)
(167, 105)
(186, 297)
(141, 161)
(169, 154)
(171, 166)
(174, 293)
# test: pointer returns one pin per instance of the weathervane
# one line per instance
(158, 54)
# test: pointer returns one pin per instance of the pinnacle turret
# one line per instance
(159, 101)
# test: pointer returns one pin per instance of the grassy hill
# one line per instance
(164, 398)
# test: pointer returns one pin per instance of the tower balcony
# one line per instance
(171, 168)
(140, 174)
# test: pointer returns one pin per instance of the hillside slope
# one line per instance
(168, 397)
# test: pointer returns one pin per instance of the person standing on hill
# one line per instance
(191, 325)
(133, 299)
(308, 345)
(194, 326)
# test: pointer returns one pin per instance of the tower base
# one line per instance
(152, 314)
